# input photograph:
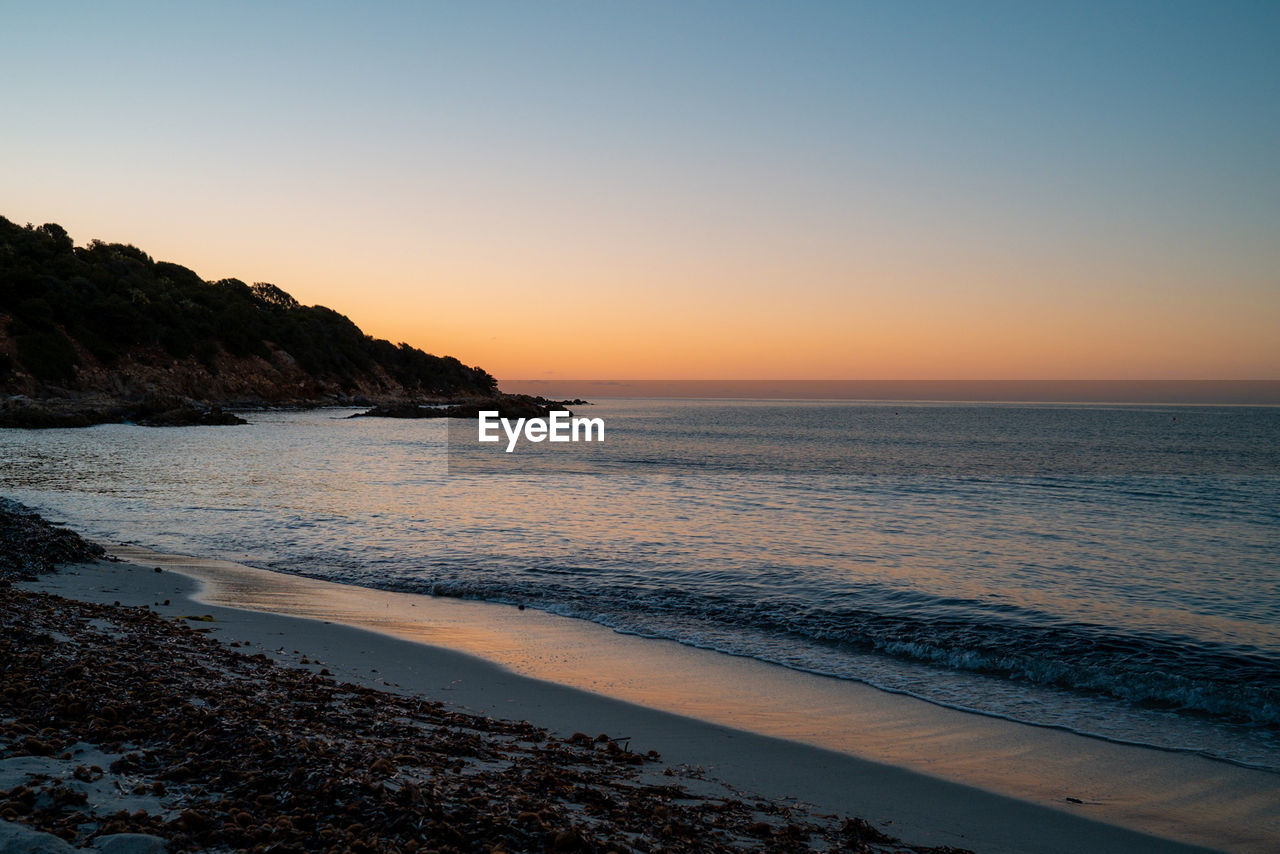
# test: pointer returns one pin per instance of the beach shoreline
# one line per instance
(123, 731)
(905, 798)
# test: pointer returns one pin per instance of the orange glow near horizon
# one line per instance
(522, 312)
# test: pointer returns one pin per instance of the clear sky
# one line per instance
(852, 190)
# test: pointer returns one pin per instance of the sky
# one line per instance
(690, 190)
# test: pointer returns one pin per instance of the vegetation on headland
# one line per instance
(107, 322)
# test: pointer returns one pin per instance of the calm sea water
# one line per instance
(1112, 570)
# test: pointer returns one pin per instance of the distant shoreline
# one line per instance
(1208, 392)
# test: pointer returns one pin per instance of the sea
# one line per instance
(1108, 569)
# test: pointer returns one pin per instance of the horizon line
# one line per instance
(876, 380)
(1222, 392)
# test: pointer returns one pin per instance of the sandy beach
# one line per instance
(926, 775)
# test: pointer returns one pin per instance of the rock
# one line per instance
(382, 768)
(19, 839)
(29, 545)
(131, 843)
(402, 410)
(188, 415)
(507, 406)
(151, 411)
(861, 830)
(569, 840)
(27, 414)
(35, 747)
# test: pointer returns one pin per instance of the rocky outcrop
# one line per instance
(191, 415)
(151, 411)
(508, 406)
(30, 546)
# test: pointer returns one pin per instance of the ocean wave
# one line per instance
(1148, 671)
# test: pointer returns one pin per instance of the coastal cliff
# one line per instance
(105, 332)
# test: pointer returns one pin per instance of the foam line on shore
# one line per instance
(941, 777)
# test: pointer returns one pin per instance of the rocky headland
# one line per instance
(104, 333)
